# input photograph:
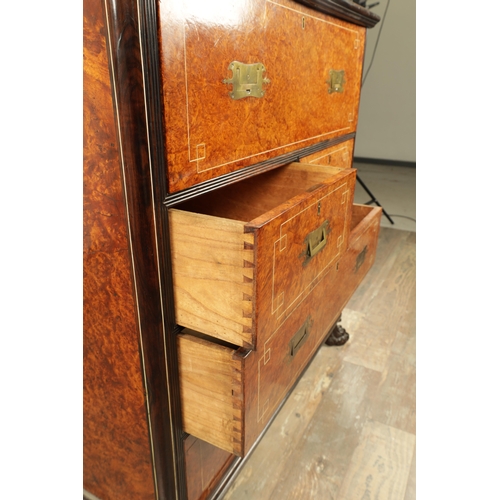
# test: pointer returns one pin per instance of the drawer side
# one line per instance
(212, 254)
(211, 392)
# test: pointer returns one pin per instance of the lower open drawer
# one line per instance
(230, 393)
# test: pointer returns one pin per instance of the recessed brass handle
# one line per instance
(335, 81)
(299, 339)
(315, 241)
(247, 80)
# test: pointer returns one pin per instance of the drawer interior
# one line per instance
(250, 198)
(359, 213)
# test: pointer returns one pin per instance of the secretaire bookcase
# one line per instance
(221, 241)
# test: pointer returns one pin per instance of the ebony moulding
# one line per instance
(344, 9)
(132, 44)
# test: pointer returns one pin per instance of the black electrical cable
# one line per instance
(404, 216)
(376, 43)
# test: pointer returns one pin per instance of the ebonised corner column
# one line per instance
(127, 303)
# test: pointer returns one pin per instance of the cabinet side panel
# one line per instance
(117, 457)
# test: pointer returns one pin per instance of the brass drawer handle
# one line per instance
(299, 339)
(247, 80)
(315, 242)
(335, 81)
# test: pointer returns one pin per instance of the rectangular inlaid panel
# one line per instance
(303, 88)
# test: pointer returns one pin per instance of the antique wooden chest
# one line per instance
(221, 239)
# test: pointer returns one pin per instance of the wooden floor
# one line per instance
(347, 432)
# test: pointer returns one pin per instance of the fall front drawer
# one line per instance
(245, 256)
(228, 393)
(244, 82)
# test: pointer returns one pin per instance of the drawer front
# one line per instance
(230, 394)
(271, 372)
(304, 88)
(339, 155)
(296, 249)
(231, 277)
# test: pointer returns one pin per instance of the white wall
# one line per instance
(386, 126)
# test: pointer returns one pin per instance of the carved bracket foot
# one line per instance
(338, 335)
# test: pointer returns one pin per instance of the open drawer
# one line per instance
(228, 393)
(244, 256)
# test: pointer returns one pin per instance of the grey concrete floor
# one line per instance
(394, 188)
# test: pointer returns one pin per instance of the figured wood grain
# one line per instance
(339, 155)
(212, 265)
(116, 446)
(284, 276)
(131, 36)
(210, 391)
(212, 386)
(231, 178)
(297, 45)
